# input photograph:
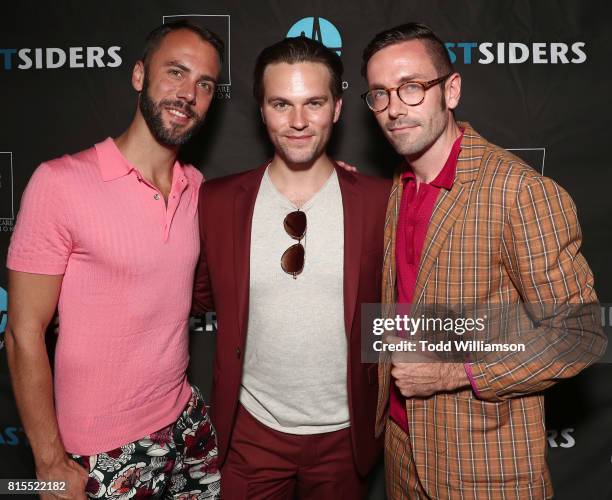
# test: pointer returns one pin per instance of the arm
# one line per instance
(32, 302)
(202, 293)
(541, 251)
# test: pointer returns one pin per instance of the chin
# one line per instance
(300, 160)
(297, 158)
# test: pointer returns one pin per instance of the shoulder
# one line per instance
(372, 186)
(490, 163)
(229, 183)
(504, 171)
(500, 167)
(66, 171)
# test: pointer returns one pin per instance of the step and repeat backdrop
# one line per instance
(536, 80)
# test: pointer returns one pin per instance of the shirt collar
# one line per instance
(114, 165)
(446, 176)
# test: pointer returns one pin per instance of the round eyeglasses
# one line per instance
(410, 93)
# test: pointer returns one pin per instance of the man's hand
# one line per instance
(65, 469)
(346, 166)
(420, 380)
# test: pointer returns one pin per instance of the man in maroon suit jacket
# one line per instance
(289, 252)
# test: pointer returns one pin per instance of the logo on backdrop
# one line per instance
(56, 57)
(3, 314)
(516, 53)
(319, 29)
(7, 213)
(207, 323)
(560, 438)
(220, 25)
(13, 436)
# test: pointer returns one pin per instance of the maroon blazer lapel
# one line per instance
(352, 204)
(244, 204)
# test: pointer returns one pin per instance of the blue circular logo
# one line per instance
(319, 29)
(3, 306)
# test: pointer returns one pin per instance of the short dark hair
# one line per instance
(155, 37)
(297, 50)
(403, 33)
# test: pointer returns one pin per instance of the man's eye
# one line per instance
(279, 105)
(411, 88)
(379, 94)
(315, 104)
(174, 72)
(207, 86)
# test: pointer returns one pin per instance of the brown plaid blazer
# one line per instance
(503, 234)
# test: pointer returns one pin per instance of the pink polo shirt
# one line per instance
(128, 263)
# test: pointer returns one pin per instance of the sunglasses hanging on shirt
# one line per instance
(292, 261)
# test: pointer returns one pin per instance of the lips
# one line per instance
(179, 112)
(176, 112)
(298, 137)
(179, 115)
(401, 128)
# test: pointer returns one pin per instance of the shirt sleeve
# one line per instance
(41, 242)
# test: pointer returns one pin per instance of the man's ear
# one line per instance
(452, 90)
(138, 76)
(337, 109)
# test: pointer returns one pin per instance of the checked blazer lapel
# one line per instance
(389, 297)
(450, 205)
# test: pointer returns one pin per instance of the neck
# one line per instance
(300, 181)
(152, 159)
(428, 164)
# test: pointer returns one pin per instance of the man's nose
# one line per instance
(396, 107)
(298, 119)
(187, 91)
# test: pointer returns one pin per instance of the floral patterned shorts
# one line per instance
(178, 461)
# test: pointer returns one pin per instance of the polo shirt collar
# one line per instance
(446, 176)
(114, 165)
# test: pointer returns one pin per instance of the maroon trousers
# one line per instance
(269, 465)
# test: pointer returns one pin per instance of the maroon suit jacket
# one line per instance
(222, 285)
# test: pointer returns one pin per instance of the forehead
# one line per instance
(303, 78)
(398, 61)
(185, 46)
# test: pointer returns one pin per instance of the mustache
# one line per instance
(181, 106)
(401, 122)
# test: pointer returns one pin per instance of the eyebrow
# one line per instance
(309, 99)
(188, 70)
(414, 77)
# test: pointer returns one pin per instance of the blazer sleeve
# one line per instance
(541, 252)
(202, 292)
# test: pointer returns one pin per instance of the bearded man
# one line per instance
(111, 234)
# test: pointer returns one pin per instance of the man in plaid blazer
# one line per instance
(469, 223)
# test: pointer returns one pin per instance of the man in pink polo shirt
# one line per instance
(110, 236)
